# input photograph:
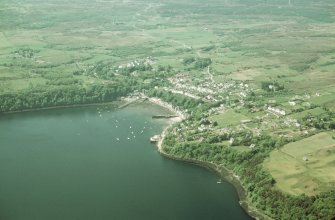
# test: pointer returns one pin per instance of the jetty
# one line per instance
(164, 116)
(155, 139)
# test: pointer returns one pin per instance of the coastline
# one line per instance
(223, 172)
(115, 102)
(159, 144)
(172, 121)
(168, 106)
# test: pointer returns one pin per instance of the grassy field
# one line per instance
(247, 40)
(228, 118)
(306, 166)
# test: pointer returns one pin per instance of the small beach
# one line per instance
(172, 121)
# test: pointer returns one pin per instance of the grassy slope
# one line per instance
(295, 175)
(228, 118)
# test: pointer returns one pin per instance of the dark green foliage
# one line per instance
(201, 63)
(64, 81)
(332, 125)
(257, 182)
(24, 53)
(100, 70)
(207, 49)
(140, 67)
(326, 120)
(188, 60)
(176, 100)
(63, 95)
(164, 69)
(272, 86)
(78, 72)
(198, 63)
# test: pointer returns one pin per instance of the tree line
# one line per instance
(259, 184)
(62, 95)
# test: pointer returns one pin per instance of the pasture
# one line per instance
(249, 41)
(228, 118)
(306, 166)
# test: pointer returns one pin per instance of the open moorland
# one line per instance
(52, 44)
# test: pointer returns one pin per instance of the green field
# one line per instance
(306, 166)
(247, 40)
(228, 118)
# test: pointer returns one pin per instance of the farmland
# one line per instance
(243, 47)
(305, 166)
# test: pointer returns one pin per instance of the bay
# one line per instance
(97, 163)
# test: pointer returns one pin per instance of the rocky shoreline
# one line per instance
(226, 175)
(222, 171)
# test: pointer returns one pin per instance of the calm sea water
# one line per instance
(70, 164)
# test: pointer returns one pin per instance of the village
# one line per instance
(239, 108)
(235, 115)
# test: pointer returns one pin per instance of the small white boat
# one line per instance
(219, 181)
(155, 138)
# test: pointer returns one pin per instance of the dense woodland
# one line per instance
(32, 98)
(67, 90)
